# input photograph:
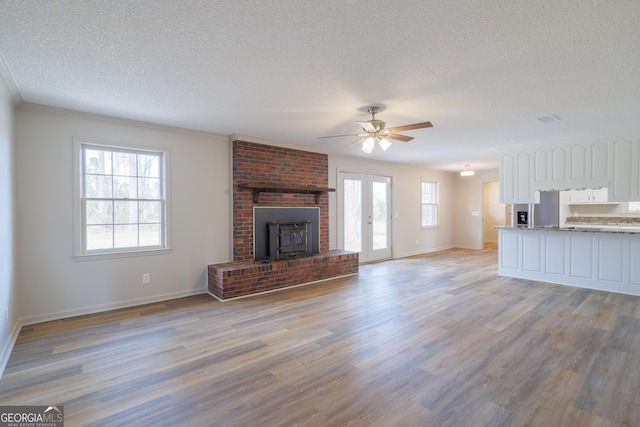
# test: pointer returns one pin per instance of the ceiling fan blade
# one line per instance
(336, 136)
(356, 141)
(367, 126)
(411, 127)
(397, 137)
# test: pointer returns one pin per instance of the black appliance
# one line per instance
(523, 217)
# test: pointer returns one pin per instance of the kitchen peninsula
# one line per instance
(601, 257)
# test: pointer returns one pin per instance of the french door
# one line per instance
(364, 209)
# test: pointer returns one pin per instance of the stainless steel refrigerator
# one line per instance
(547, 212)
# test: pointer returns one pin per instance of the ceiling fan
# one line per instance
(374, 131)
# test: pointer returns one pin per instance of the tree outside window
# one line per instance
(122, 199)
(429, 204)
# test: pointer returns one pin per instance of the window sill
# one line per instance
(124, 254)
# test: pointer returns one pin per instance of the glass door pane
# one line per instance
(380, 215)
(364, 215)
(352, 215)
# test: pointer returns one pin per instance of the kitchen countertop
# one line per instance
(580, 221)
(620, 229)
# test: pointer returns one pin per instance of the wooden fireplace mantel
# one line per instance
(274, 188)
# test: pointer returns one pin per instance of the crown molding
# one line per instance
(58, 111)
(7, 78)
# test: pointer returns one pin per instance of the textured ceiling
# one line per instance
(481, 72)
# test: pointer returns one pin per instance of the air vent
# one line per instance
(548, 119)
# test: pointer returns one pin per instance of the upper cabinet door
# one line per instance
(541, 167)
(612, 164)
(580, 196)
(578, 163)
(516, 178)
(600, 195)
(624, 170)
(525, 190)
(559, 165)
(507, 178)
(599, 161)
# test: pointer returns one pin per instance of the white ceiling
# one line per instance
(480, 71)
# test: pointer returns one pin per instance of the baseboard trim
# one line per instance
(30, 320)
(8, 347)
(409, 254)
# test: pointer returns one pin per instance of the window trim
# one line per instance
(79, 253)
(624, 209)
(437, 204)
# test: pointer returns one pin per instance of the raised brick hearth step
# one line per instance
(236, 279)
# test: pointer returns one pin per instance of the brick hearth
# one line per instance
(273, 167)
(236, 279)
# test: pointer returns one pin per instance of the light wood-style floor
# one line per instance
(435, 340)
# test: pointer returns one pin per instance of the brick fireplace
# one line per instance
(270, 176)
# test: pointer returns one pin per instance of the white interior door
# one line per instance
(365, 215)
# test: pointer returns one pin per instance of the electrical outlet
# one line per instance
(6, 314)
(146, 278)
(417, 242)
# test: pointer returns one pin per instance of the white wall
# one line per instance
(406, 188)
(469, 195)
(51, 283)
(8, 299)
(493, 211)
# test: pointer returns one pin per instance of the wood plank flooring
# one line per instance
(433, 340)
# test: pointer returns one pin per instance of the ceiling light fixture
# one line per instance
(467, 171)
(374, 131)
(384, 143)
(369, 144)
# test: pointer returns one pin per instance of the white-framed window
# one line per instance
(121, 199)
(631, 207)
(429, 204)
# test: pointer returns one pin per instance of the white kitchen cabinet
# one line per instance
(509, 251)
(531, 252)
(559, 165)
(516, 178)
(581, 165)
(634, 266)
(577, 165)
(555, 254)
(588, 163)
(580, 256)
(598, 162)
(597, 260)
(507, 178)
(600, 195)
(625, 157)
(541, 167)
(610, 260)
(593, 196)
(580, 196)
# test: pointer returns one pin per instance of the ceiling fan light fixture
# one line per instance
(384, 143)
(368, 145)
(374, 131)
(467, 171)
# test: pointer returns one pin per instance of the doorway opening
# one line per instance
(494, 213)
